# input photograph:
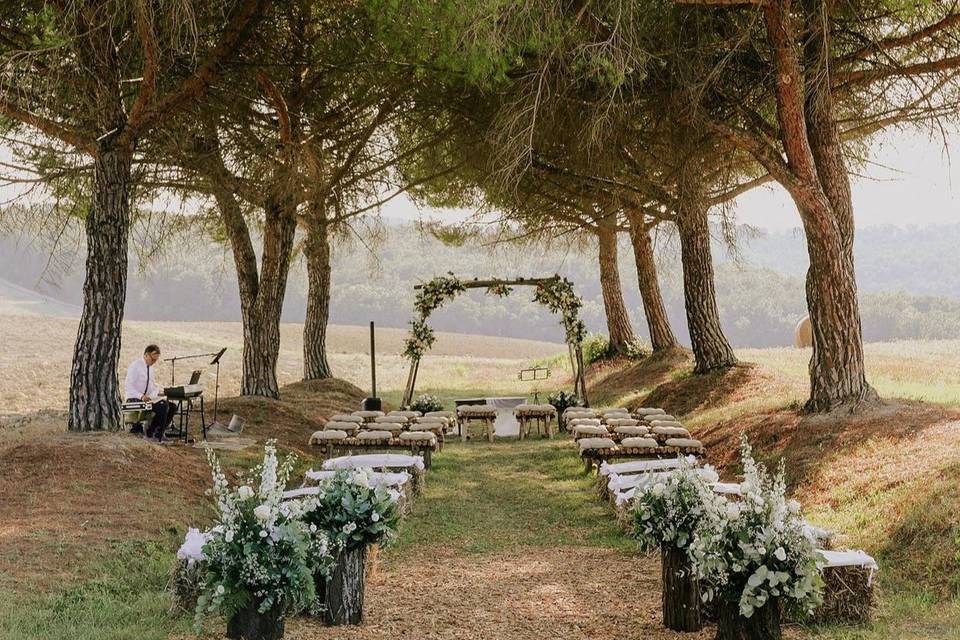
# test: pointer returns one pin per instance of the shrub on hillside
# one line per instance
(425, 403)
(596, 347)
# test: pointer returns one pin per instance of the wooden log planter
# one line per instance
(764, 624)
(681, 591)
(249, 624)
(343, 589)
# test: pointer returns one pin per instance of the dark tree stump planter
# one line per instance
(764, 624)
(343, 594)
(681, 591)
(250, 624)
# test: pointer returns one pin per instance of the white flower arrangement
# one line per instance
(353, 511)
(669, 511)
(754, 551)
(261, 552)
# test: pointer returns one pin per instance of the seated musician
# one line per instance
(140, 386)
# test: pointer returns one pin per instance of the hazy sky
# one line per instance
(912, 180)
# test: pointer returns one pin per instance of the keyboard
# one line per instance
(183, 391)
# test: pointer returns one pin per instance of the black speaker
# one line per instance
(371, 404)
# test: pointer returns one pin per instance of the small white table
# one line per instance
(506, 423)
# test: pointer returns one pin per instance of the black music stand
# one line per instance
(216, 389)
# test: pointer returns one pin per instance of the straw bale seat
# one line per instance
(345, 417)
(482, 414)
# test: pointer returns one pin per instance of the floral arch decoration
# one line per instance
(555, 293)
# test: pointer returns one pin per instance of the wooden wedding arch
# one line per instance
(554, 292)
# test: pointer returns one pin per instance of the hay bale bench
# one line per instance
(848, 590)
(334, 442)
(539, 414)
(368, 416)
(637, 448)
(414, 465)
(483, 414)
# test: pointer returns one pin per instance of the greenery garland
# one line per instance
(557, 295)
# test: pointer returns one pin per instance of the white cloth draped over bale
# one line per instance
(727, 488)
(639, 443)
(328, 436)
(641, 466)
(377, 478)
(375, 461)
(595, 444)
(374, 434)
(345, 417)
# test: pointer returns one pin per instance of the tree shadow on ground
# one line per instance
(609, 382)
(699, 392)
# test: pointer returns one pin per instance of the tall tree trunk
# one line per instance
(661, 335)
(317, 250)
(94, 394)
(822, 193)
(711, 350)
(618, 321)
(837, 371)
(261, 331)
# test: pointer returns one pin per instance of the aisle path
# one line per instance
(508, 541)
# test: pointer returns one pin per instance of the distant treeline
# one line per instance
(909, 284)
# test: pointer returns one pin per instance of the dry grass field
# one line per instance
(36, 350)
(513, 527)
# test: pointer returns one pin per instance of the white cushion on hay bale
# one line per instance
(576, 422)
(441, 414)
(405, 414)
(679, 432)
(661, 417)
(641, 466)
(368, 414)
(644, 480)
(374, 435)
(683, 443)
(328, 436)
(445, 421)
(590, 430)
(596, 444)
(349, 427)
(375, 461)
(639, 443)
(377, 478)
(391, 420)
(727, 488)
(622, 422)
(477, 411)
(615, 411)
(534, 409)
(345, 417)
(633, 432)
(648, 411)
(419, 436)
(853, 558)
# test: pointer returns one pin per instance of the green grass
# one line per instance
(123, 596)
(483, 497)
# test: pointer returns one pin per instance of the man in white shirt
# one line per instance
(140, 385)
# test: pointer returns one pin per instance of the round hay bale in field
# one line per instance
(803, 334)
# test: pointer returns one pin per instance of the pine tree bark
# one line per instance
(345, 588)
(94, 393)
(618, 321)
(837, 370)
(681, 591)
(764, 624)
(821, 189)
(317, 250)
(711, 350)
(661, 334)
